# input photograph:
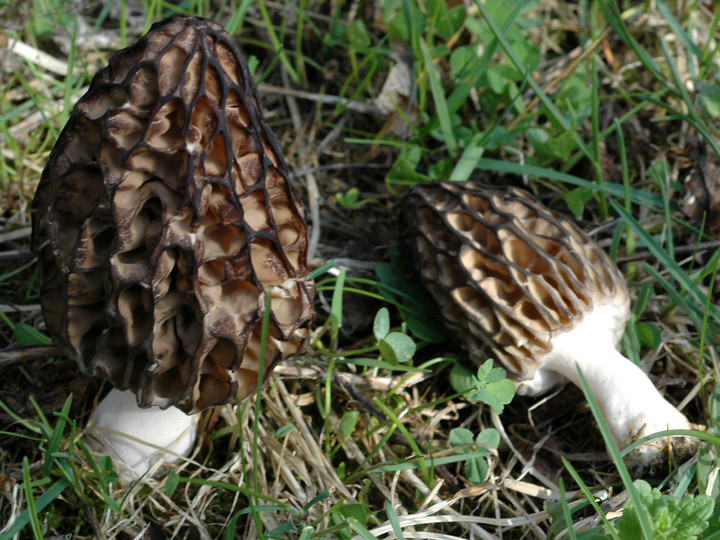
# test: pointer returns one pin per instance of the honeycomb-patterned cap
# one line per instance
(164, 219)
(506, 272)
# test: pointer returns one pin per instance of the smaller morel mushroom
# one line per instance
(162, 223)
(511, 276)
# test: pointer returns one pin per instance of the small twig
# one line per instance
(314, 204)
(20, 130)
(39, 58)
(337, 167)
(357, 106)
(15, 254)
(353, 265)
(13, 308)
(693, 248)
(26, 354)
(336, 132)
(15, 235)
(313, 191)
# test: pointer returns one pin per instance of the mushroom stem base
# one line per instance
(136, 439)
(630, 403)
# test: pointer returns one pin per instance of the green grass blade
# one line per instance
(679, 31)
(237, 18)
(596, 137)
(475, 69)
(677, 79)
(52, 493)
(616, 190)
(30, 499)
(415, 462)
(678, 274)
(614, 18)
(622, 150)
(590, 497)
(336, 305)
(614, 452)
(394, 521)
(258, 404)
(691, 309)
(320, 271)
(567, 515)
(276, 43)
(556, 115)
(56, 437)
(408, 437)
(360, 529)
(441, 106)
(468, 161)
(692, 119)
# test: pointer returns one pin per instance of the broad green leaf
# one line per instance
(355, 510)
(461, 378)
(171, 483)
(649, 335)
(476, 470)
(398, 24)
(561, 146)
(403, 170)
(496, 394)
(348, 423)
(438, 15)
(442, 169)
(381, 325)
(461, 57)
(429, 330)
(488, 437)
(713, 530)
(484, 370)
(283, 431)
(710, 96)
(528, 53)
(496, 79)
(670, 517)
(358, 36)
(397, 347)
(576, 200)
(438, 94)
(489, 385)
(459, 436)
(349, 200)
(475, 467)
(539, 139)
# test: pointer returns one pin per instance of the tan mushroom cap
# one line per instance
(506, 272)
(165, 217)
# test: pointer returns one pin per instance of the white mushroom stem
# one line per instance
(136, 439)
(630, 403)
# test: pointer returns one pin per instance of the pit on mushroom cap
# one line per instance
(512, 276)
(163, 221)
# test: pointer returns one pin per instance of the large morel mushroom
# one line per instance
(163, 221)
(516, 281)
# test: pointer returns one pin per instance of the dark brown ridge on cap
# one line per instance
(165, 217)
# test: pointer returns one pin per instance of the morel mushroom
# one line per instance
(511, 276)
(163, 221)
